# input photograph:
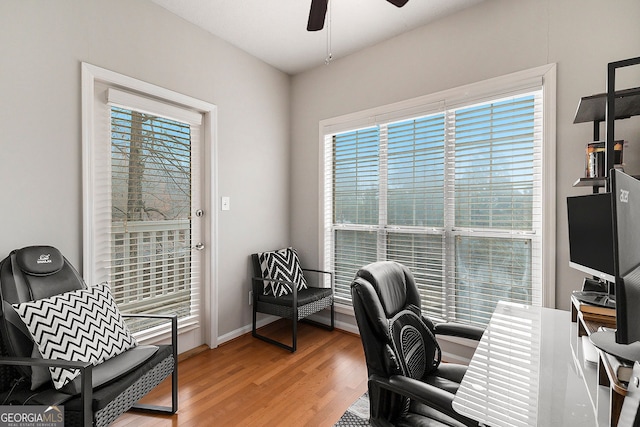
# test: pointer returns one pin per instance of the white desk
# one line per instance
(523, 372)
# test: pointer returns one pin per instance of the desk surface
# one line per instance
(523, 372)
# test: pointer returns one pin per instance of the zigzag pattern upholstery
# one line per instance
(83, 325)
(283, 267)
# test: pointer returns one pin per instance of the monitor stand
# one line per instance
(606, 341)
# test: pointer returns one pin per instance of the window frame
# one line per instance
(503, 86)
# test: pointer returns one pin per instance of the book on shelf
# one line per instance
(620, 367)
(599, 319)
(595, 309)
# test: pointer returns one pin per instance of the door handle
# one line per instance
(199, 246)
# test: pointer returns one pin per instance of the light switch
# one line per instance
(226, 203)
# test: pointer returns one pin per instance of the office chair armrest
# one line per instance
(434, 397)
(416, 390)
(453, 329)
(437, 398)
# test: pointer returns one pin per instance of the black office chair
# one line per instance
(407, 383)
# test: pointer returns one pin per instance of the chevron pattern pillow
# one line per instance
(81, 326)
(282, 264)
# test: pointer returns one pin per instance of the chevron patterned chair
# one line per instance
(66, 344)
(281, 289)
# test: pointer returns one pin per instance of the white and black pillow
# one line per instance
(284, 265)
(81, 326)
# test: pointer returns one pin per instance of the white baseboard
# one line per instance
(456, 350)
(246, 329)
(345, 326)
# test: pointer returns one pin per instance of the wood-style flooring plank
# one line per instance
(248, 382)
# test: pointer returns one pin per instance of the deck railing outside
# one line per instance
(151, 270)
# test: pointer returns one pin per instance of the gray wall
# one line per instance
(493, 38)
(269, 168)
(42, 44)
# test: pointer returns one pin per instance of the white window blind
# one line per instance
(496, 204)
(146, 181)
(454, 195)
(356, 172)
(152, 269)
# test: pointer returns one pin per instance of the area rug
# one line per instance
(357, 414)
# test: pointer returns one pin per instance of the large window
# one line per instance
(452, 189)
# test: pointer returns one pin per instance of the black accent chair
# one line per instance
(408, 386)
(297, 305)
(107, 389)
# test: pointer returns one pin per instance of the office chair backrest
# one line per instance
(386, 303)
(393, 284)
(30, 274)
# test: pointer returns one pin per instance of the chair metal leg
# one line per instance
(174, 379)
(294, 335)
(294, 329)
(255, 334)
(158, 409)
(333, 316)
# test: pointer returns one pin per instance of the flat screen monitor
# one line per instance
(591, 235)
(626, 209)
(625, 342)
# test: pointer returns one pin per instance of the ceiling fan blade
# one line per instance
(398, 3)
(316, 15)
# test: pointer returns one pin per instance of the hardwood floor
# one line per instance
(247, 382)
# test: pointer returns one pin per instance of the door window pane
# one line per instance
(151, 268)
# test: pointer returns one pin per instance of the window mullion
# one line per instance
(383, 192)
(449, 216)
